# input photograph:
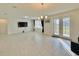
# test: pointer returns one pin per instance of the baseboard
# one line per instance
(61, 37)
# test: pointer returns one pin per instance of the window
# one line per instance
(56, 26)
(66, 27)
(38, 24)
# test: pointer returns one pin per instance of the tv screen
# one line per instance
(22, 24)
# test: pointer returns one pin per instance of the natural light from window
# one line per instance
(66, 27)
(38, 24)
(56, 26)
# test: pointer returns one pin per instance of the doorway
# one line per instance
(3, 26)
(38, 26)
(42, 22)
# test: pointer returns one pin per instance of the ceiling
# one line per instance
(34, 9)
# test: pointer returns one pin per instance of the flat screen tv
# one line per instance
(22, 24)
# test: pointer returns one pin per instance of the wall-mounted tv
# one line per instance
(22, 24)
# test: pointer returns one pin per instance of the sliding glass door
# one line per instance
(38, 26)
(66, 27)
(56, 26)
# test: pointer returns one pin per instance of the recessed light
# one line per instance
(26, 17)
(41, 17)
(45, 17)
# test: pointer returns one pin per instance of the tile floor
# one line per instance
(30, 44)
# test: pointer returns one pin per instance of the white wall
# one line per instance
(13, 26)
(74, 23)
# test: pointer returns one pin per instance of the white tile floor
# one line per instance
(30, 44)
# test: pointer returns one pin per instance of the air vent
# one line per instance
(14, 6)
(5, 13)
